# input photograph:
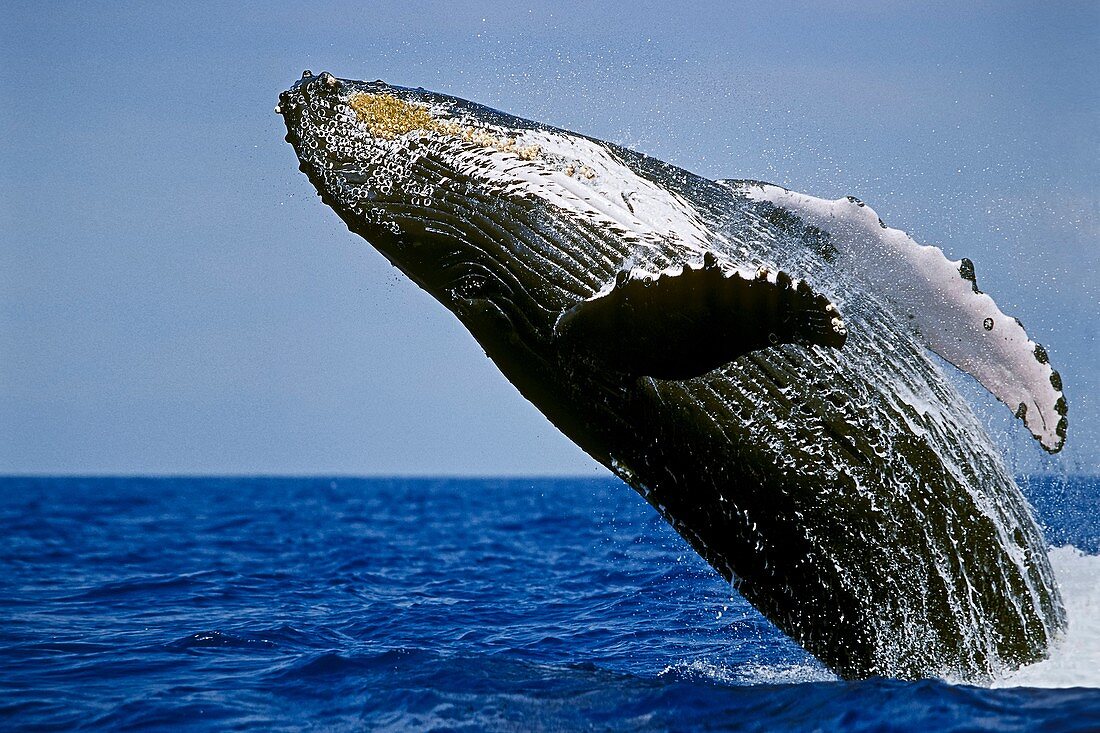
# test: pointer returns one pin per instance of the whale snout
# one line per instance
(305, 91)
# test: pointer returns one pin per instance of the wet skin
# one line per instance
(846, 490)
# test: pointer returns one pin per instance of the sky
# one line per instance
(174, 298)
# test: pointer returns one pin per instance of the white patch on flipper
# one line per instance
(953, 319)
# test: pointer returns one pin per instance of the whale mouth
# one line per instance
(376, 151)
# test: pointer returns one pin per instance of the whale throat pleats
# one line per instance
(684, 322)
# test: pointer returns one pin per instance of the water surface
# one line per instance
(291, 603)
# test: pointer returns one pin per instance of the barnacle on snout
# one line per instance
(387, 117)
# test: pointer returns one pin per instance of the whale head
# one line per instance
(515, 226)
(431, 181)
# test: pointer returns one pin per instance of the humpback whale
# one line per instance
(756, 363)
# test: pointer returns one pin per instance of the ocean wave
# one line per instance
(216, 640)
(751, 673)
(604, 620)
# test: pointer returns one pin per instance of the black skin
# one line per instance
(793, 469)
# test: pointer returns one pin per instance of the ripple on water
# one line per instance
(284, 604)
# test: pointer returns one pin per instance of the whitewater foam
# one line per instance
(752, 673)
(1075, 659)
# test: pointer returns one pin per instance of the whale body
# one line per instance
(756, 363)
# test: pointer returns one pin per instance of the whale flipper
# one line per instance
(941, 299)
(686, 321)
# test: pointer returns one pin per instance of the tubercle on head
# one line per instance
(386, 116)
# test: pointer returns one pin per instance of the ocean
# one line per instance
(446, 604)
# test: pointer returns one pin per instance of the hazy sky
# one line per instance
(174, 298)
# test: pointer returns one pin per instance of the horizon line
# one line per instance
(170, 475)
(400, 476)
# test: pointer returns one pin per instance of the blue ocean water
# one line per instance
(333, 604)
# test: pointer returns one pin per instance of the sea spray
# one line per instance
(1075, 658)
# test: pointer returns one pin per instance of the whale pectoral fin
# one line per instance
(940, 297)
(685, 322)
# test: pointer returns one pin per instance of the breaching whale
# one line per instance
(753, 361)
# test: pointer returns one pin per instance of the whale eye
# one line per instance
(988, 324)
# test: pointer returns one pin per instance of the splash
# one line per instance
(1075, 659)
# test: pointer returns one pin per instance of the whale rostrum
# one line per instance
(754, 362)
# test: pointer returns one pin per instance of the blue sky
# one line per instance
(175, 299)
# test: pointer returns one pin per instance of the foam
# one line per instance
(750, 673)
(1075, 659)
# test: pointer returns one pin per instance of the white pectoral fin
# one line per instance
(941, 299)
